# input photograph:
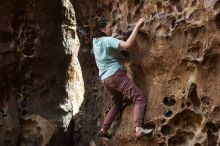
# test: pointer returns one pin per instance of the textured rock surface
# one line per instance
(41, 85)
(175, 61)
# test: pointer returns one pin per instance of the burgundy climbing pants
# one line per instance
(118, 85)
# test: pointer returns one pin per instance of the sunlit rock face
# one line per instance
(41, 85)
(175, 62)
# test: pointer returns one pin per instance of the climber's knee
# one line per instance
(139, 99)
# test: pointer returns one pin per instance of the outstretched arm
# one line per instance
(130, 41)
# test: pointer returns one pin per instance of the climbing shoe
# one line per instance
(143, 132)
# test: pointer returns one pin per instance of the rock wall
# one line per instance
(41, 85)
(175, 62)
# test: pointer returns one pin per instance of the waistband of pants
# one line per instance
(119, 71)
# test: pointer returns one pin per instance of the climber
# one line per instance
(113, 76)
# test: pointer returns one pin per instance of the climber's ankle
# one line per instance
(103, 130)
(138, 129)
(104, 133)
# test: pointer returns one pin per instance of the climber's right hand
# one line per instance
(140, 22)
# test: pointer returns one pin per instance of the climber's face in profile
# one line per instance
(107, 29)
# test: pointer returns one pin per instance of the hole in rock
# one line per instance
(129, 17)
(212, 139)
(217, 4)
(215, 116)
(173, 23)
(169, 100)
(149, 125)
(123, 55)
(211, 60)
(162, 144)
(168, 113)
(173, 2)
(24, 112)
(195, 31)
(158, 135)
(179, 17)
(163, 121)
(195, 48)
(28, 51)
(110, 7)
(106, 111)
(166, 130)
(187, 119)
(98, 11)
(197, 144)
(115, 14)
(194, 51)
(217, 21)
(31, 35)
(188, 104)
(181, 138)
(212, 127)
(159, 5)
(118, 4)
(4, 115)
(192, 95)
(182, 105)
(194, 2)
(214, 44)
(137, 2)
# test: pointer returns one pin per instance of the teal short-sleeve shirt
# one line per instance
(106, 56)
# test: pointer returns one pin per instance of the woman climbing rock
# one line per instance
(114, 78)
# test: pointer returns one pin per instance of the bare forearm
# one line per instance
(130, 41)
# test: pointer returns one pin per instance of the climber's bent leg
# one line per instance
(120, 82)
(131, 91)
(117, 101)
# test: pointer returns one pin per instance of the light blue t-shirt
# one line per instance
(106, 56)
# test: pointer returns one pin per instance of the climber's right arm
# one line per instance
(130, 41)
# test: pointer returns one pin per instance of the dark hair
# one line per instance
(100, 23)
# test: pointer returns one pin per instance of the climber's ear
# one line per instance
(103, 29)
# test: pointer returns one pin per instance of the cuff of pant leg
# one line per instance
(138, 125)
(105, 127)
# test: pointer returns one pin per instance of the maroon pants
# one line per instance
(118, 85)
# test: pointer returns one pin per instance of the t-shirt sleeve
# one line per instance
(113, 42)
